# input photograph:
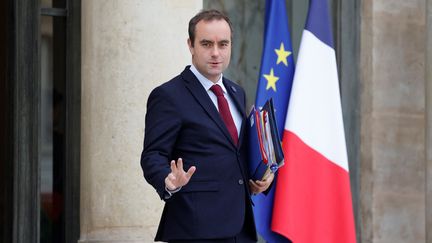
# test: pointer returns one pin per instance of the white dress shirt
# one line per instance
(207, 84)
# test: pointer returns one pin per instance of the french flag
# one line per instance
(313, 196)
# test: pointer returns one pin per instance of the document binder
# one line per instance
(264, 143)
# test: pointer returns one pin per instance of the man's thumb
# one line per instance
(191, 171)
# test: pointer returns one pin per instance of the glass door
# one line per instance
(52, 120)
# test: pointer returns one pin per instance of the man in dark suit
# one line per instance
(194, 150)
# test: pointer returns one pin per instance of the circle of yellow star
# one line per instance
(282, 55)
(271, 80)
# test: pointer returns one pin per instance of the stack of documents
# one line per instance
(264, 143)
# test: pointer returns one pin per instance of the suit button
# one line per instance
(240, 182)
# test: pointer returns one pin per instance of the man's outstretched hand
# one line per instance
(178, 177)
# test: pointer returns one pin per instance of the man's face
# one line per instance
(211, 52)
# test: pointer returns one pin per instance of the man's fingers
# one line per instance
(260, 183)
(253, 187)
(266, 182)
(260, 186)
(253, 183)
(173, 166)
(190, 172)
(269, 178)
(178, 177)
(180, 164)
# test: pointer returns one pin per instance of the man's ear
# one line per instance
(191, 48)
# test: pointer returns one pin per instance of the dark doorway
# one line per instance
(52, 120)
(59, 122)
(40, 90)
(5, 128)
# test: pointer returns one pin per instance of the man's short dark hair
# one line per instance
(207, 15)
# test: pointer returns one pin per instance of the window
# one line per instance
(40, 72)
(59, 120)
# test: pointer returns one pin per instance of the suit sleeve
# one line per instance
(162, 125)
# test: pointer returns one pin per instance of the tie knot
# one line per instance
(217, 90)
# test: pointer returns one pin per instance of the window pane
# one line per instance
(46, 3)
(52, 130)
(53, 3)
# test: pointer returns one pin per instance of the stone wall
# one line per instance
(128, 48)
(393, 121)
(428, 91)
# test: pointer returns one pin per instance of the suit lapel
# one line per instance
(200, 94)
(234, 94)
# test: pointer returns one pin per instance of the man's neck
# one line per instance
(203, 78)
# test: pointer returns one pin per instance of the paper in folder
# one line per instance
(264, 143)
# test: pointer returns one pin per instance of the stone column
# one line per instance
(429, 121)
(393, 103)
(128, 48)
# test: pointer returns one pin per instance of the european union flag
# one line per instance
(275, 81)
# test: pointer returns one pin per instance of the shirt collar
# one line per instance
(205, 82)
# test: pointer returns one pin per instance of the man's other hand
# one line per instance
(260, 186)
(178, 177)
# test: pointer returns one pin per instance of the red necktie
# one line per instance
(225, 113)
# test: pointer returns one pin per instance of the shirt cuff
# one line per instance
(171, 192)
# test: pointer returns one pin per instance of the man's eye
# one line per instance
(205, 44)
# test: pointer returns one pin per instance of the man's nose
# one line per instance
(215, 51)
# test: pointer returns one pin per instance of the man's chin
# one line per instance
(216, 71)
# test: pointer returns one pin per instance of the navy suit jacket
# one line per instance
(182, 122)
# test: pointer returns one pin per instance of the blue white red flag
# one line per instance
(313, 196)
